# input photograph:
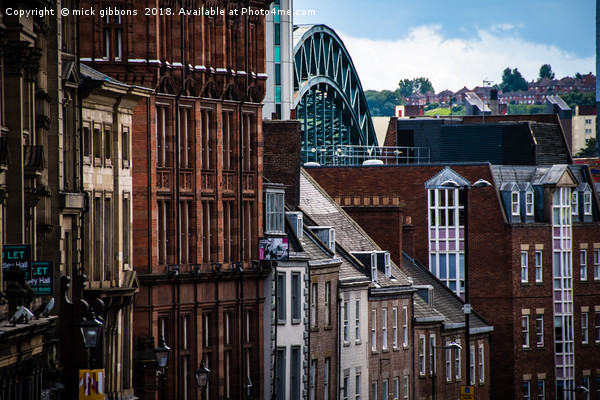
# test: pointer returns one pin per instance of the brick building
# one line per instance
(197, 187)
(539, 221)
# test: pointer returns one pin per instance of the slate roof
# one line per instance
(445, 302)
(316, 204)
(549, 175)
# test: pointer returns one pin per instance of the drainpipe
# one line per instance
(412, 311)
(339, 341)
(274, 351)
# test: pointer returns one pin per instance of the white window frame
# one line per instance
(405, 327)
(396, 395)
(481, 360)
(346, 328)
(274, 211)
(314, 295)
(596, 264)
(575, 202)
(526, 390)
(585, 328)
(587, 202)
(384, 332)
(525, 331)
(395, 327)
(406, 386)
(583, 264)
(472, 364)
(541, 389)
(514, 203)
(448, 363)
(374, 329)
(457, 363)
(357, 322)
(327, 303)
(539, 269)
(422, 355)
(597, 326)
(524, 267)
(529, 201)
(432, 366)
(539, 330)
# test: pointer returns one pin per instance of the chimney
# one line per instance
(494, 101)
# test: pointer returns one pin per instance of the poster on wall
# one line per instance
(273, 249)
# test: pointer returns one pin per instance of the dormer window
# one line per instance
(274, 211)
(529, 203)
(373, 267)
(587, 203)
(388, 265)
(575, 203)
(515, 203)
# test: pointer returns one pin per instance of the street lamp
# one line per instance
(202, 374)
(578, 389)
(162, 357)
(452, 184)
(90, 330)
(451, 345)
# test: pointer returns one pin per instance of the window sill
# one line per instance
(526, 348)
(346, 344)
(296, 321)
(374, 351)
(314, 329)
(524, 283)
(386, 350)
(328, 328)
(357, 342)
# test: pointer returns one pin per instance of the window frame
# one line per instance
(539, 266)
(525, 331)
(524, 267)
(585, 328)
(583, 264)
(274, 211)
(529, 203)
(373, 329)
(515, 203)
(539, 330)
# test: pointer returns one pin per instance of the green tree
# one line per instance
(578, 75)
(589, 150)
(577, 98)
(406, 87)
(546, 71)
(512, 80)
(382, 103)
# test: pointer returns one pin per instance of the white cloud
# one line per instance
(454, 63)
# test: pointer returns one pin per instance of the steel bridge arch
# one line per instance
(328, 95)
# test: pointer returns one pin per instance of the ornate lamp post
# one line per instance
(162, 357)
(202, 374)
(91, 329)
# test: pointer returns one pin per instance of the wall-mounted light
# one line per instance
(195, 269)
(173, 269)
(216, 268)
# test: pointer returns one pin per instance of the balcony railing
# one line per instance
(357, 155)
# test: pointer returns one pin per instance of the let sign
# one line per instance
(41, 277)
(16, 254)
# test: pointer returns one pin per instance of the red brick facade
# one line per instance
(495, 247)
(197, 188)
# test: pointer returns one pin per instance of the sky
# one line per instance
(456, 43)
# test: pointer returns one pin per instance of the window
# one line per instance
(227, 328)
(112, 44)
(108, 238)
(405, 326)
(126, 146)
(481, 360)
(97, 145)
(575, 203)
(406, 380)
(541, 389)
(313, 305)
(596, 264)
(345, 320)
(281, 296)
(326, 379)
(539, 330)
(587, 203)
(515, 203)
(357, 321)
(87, 143)
(313, 379)
(373, 330)
(526, 390)
(597, 328)
(386, 390)
(162, 124)
(538, 266)
(374, 390)
(422, 355)
(432, 368)
(457, 370)
(525, 330)
(274, 214)
(524, 267)
(384, 344)
(295, 379)
(583, 265)
(472, 365)
(345, 387)
(280, 377)
(585, 382)
(327, 303)
(585, 334)
(357, 386)
(126, 226)
(529, 204)
(296, 298)
(396, 389)
(395, 327)
(448, 363)
(107, 145)
(373, 267)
